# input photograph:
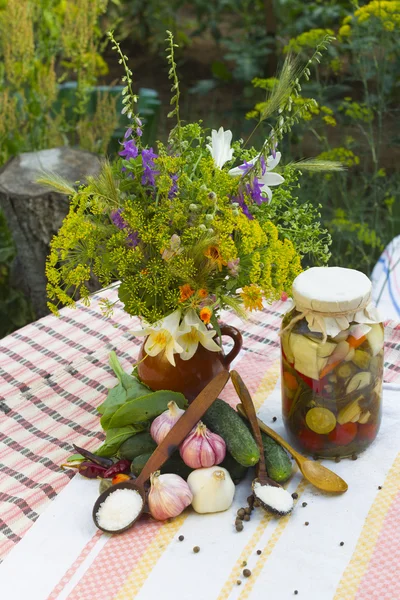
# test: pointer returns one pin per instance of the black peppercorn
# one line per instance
(256, 504)
(240, 513)
(246, 572)
(379, 487)
(354, 457)
(247, 510)
(196, 549)
(306, 523)
(181, 538)
(238, 582)
(304, 504)
(337, 459)
(250, 500)
(239, 526)
(295, 495)
(273, 419)
(246, 518)
(244, 563)
(342, 543)
(258, 552)
(295, 592)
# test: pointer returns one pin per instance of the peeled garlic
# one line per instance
(212, 488)
(169, 495)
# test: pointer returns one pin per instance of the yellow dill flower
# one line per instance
(307, 39)
(344, 31)
(252, 297)
(344, 155)
(329, 120)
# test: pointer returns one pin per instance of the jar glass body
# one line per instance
(331, 391)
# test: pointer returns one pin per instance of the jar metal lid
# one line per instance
(331, 290)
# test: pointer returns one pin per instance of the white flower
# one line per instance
(162, 337)
(220, 146)
(268, 179)
(192, 332)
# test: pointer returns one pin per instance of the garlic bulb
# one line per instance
(212, 489)
(169, 495)
(202, 448)
(165, 422)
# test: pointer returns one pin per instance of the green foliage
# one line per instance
(43, 43)
(14, 309)
(178, 228)
(353, 121)
(245, 42)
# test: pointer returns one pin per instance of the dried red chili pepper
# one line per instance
(91, 470)
(122, 466)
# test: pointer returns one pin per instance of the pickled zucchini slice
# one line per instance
(361, 359)
(320, 420)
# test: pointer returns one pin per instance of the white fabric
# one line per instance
(309, 559)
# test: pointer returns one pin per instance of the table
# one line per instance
(53, 374)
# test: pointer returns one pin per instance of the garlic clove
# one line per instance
(169, 495)
(212, 488)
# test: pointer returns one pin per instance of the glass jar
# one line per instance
(332, 363)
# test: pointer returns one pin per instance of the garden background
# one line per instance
(60, 85)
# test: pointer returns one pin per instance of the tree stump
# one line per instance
(34, 213)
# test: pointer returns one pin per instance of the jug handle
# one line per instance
(235, 334)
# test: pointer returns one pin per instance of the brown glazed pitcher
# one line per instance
(188, 376)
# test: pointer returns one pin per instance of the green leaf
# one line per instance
(116, 437)
(117, 397)
(124, 378)
(75, 458)
(145, 408)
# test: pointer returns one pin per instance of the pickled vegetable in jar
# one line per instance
(332, 363)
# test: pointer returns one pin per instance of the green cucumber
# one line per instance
(173, 465)
(235, 470)
(277, 461)
(138, 444)
(225, 421)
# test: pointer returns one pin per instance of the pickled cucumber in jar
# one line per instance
(332, 363)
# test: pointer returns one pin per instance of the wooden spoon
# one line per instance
(167, 447)
(282, 503)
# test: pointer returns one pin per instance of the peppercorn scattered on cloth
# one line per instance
(53, 375)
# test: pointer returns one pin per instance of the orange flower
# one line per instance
(144, 272)
(215, 256)
(252, 297)
(205, 315)
(186, 292)
(202, 293)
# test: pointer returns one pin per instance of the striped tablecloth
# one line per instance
(53, 375)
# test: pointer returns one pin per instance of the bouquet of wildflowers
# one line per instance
(197, 225)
